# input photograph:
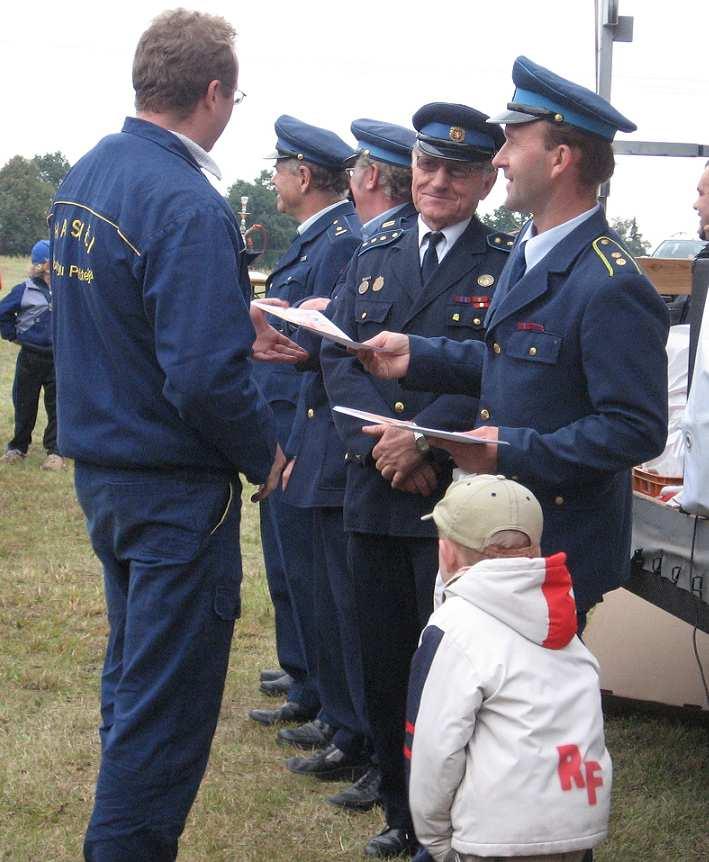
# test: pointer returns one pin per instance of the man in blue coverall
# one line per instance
(159, 409)
(572, 371)
(311, 184)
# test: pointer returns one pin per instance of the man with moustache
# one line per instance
(437, 277)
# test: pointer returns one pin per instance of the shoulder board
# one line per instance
(385, 237)
(339, 227)
(501, 241)
(614, 257)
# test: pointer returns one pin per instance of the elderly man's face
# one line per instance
(286, 181)
(446, 192)
(701, 205)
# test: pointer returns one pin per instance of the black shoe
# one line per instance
(328, 764)
(314, 734)
(271, 673)
(276, 687)
(391, 842)
(363, 795)
(288, 712)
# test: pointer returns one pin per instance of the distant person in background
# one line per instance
(701, 205)
(26, 317)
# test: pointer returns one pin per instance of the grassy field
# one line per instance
(52, 632)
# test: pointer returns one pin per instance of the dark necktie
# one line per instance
(430, 258)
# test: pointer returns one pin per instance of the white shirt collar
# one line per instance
(200, 155)
(451, 234)
(303, 226)
(538, 246)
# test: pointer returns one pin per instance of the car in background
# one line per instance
(684, 248)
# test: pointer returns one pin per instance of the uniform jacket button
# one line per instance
(399, 407)
(484, 414)
(497, 348)
(310, 413)
(532, 351)
(559, 501)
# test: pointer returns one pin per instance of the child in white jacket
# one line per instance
(504, 722)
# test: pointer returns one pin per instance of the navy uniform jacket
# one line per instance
(310, 267)
(573, 372)
(404, 216)
(384, 292)
(151, 324)
(318, 478)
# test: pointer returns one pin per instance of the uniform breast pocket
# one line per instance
(543, 347)
(293, 286)
(371, 316)
(463, 321)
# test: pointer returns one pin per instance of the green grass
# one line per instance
(52, 632)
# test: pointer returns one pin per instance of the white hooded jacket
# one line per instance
(504, 723)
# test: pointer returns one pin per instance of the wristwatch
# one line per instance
(421, 443)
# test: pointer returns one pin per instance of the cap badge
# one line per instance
(378, 283)
(456, 134)
(486, 280)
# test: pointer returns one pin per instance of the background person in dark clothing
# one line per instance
(26, 317)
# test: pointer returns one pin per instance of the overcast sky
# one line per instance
(66, 76)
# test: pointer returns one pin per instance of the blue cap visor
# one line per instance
(543, 108)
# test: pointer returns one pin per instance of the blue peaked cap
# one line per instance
(542, 95)
(457, 132)
(384, 142)
(298, 140)
(40, 252)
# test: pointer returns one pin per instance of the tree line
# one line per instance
(27, 187)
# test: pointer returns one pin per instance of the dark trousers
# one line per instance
(393, 580)
(287, 542)
(169, 545)
(339, 674)
(34, 370)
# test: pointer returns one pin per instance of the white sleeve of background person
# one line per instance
(670, 462)
(694, 497)
(445, 723)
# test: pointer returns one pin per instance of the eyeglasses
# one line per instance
(239, 96)
(455, 170)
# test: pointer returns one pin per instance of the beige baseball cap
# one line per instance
(473, 509)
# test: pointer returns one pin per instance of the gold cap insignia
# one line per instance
(456, 134)
(486, 280)
(378, 283)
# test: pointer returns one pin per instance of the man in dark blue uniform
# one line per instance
(572, 371)
(380, 176)
(311, 183)
(437, 278)
(159, 409)
(381, 187)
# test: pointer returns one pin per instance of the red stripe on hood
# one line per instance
(560, 602)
